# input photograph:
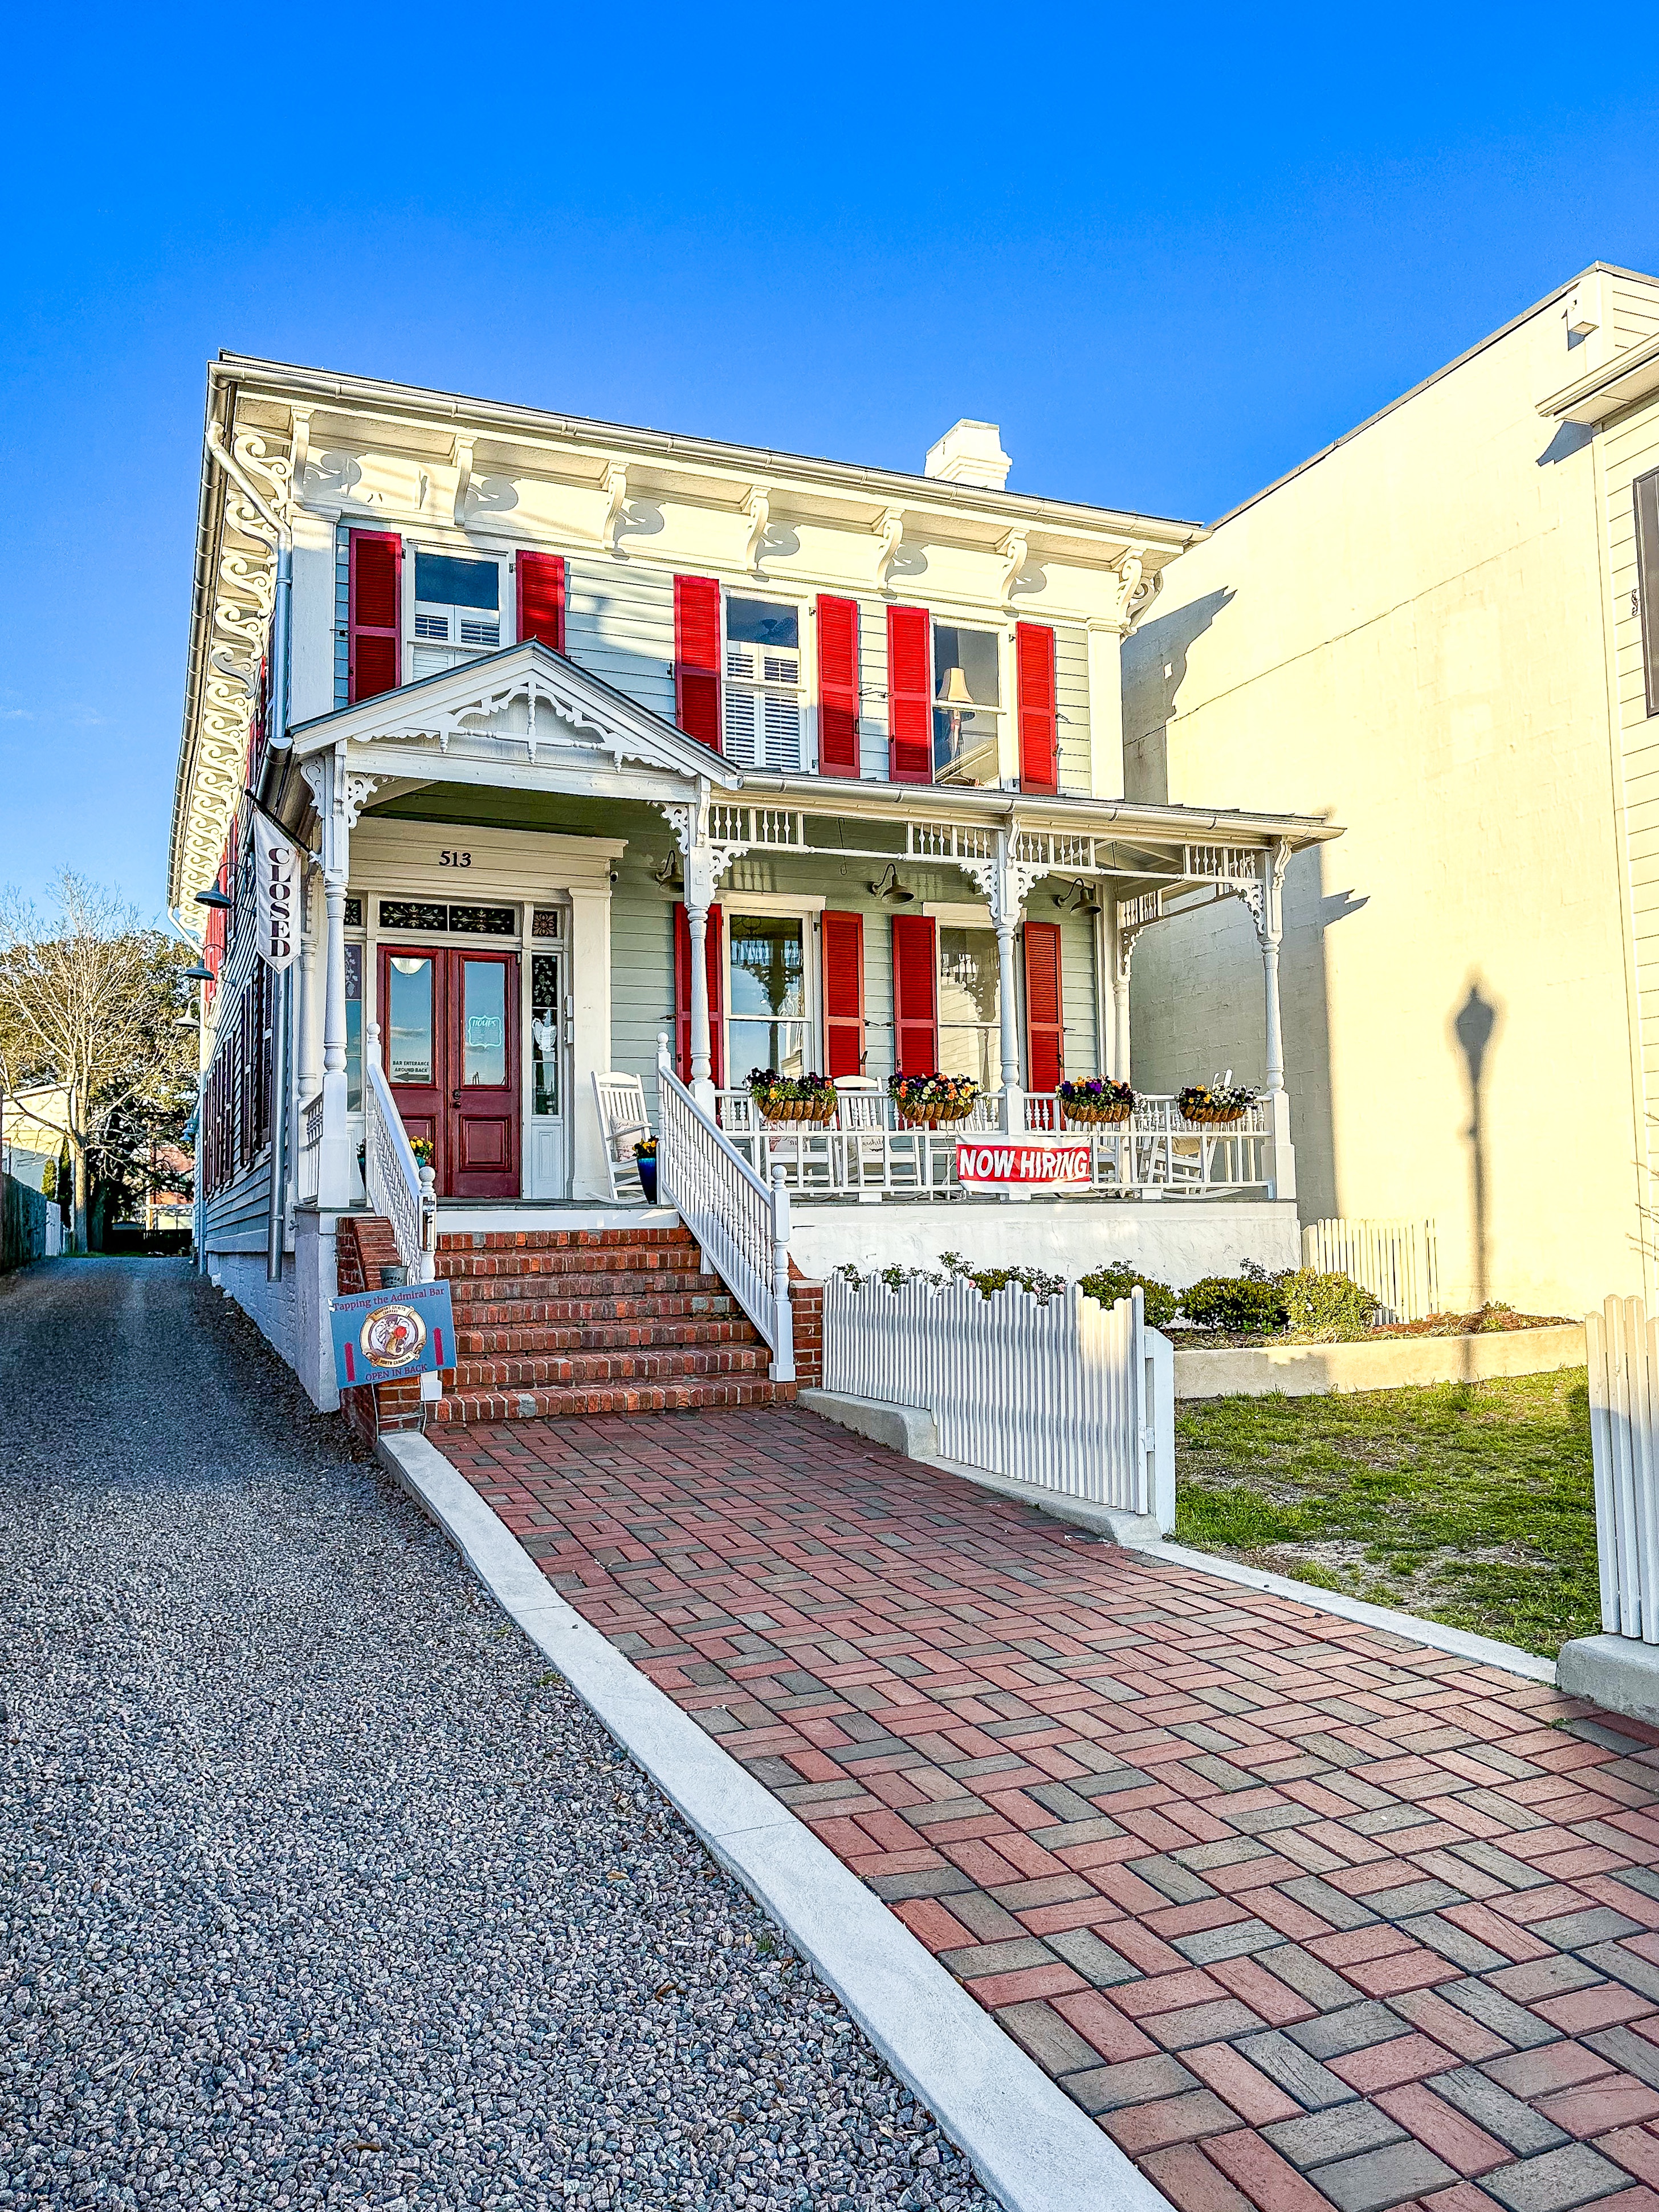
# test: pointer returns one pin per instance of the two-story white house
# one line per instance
(594, 734)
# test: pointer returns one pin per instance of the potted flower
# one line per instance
(925, 1102)
(645, 1159)
(792, 1097)
(421, 1148)
(1216, 1102)
(1098, 1099)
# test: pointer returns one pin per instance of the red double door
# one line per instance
(449, 1031)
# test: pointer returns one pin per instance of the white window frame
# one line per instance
(457, 652)
(803, 687)
(806, 907)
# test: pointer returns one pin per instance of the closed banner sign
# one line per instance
(277, 893)
(1034, 1163)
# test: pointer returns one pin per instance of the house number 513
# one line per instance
(454, 860)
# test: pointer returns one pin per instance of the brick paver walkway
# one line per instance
(1304, 1914)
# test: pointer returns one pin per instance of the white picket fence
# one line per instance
(1068, 1395)
(1397, 1261)
(1623, 1349)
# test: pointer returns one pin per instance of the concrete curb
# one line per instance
(1485, 1649)
(1029, 2144)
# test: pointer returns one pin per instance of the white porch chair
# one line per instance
(861, 1120)
(620, 1100)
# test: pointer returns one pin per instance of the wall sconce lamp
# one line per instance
(1082, 898)
(198, 974)
(887, 886)
(212, 898)
(671, 875)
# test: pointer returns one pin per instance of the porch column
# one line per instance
(699, 898)
(1270, 929)
(1007, 899)
(334, 1178)
(1123, 945)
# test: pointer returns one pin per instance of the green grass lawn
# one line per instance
(1467, 1503)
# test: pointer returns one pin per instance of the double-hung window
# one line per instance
(763, 704)
(970, 1005)
(770, 1022)
(967, 705)
(458, 610)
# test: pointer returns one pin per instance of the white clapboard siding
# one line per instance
(1068, 1395)
(1623, 1349)
(1397, 1261)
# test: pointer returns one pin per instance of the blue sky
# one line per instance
(1172, 253)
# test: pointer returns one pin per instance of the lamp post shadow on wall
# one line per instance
(1474, 1026)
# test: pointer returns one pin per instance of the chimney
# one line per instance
(971, 453)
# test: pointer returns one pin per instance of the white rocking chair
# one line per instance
(620, 1100)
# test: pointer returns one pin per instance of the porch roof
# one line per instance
(531, 718)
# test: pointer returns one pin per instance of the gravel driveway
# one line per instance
(316, 1886)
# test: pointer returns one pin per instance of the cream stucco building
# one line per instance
(1433, 633)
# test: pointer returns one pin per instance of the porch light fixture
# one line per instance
(887, 886)
(671, 875)
(1082, 898)
(212, 898)
(197, 974)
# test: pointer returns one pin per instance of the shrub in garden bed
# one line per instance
(1107, 1284)
(1252, 1303)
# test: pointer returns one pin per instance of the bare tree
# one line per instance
(89, 999)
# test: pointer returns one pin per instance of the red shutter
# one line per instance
(1039, 733)
(915, 995)
(540, 579)
(838, 686)
(376, 663)
(1045, 1030)
(716, 970)
(698, 659)
(843, 995)
(910, 695)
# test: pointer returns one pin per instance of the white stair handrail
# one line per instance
(742, 1225)
(397, 1184)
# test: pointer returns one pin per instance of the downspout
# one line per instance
(278, 741)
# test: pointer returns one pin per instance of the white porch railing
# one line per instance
(867, 1150)
(1397, 1261)
(309, 1162)
(1070, 1397)
(398, 1186)
(741, 1222)
(1623, 1350)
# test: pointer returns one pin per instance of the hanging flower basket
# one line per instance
(1099, 1099)
(1215, 1103)
(792, 1097)
(933, 1101)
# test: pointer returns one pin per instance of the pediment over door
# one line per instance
(531, 715)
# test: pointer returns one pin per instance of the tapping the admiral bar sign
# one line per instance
(380, 1336)
(1034, 1163)
(277, 893)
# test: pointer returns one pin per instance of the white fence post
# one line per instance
(1622, 1346)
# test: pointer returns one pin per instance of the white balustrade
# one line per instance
(311, 1150)
(741, 1222)
(399, 1185)
(1066, 1394)
(868, 1149)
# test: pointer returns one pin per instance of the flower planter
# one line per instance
(1210, 1116)
(818, 1110)
(647, 1179)
(932, 1117)
(1085, 1116)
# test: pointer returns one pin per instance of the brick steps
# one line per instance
(469, 1407)
(644, 1332)
(587, 1369)
(552, 1323)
